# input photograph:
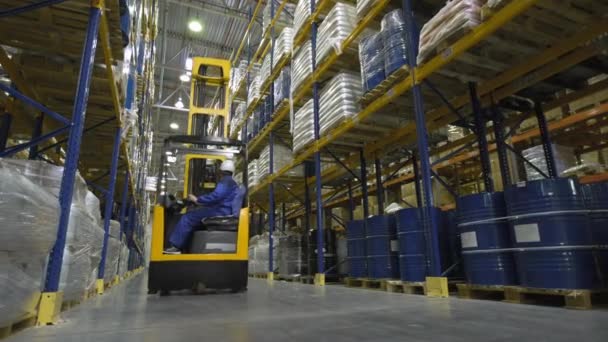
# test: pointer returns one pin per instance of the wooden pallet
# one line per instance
(571, 299)
(398, 286)
(259, 275)
(399, 75)
(18, 325)
(367, 283)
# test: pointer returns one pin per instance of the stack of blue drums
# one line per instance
(371, 54)
(413, 261)
(382, 247)
(485, 239)
(453, 248)
(356, 245)
(281, 86)
(394, 37)
(551, 235)
(267, 111)
(596, 198)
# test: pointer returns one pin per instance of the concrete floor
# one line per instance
(295, 312)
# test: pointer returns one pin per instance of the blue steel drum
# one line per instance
(454, 248)
(381, 238)
(551, 235)
(413, 260)
(356, 248)
(267, 110)
(282, 85)
(394, 38)
(485, 241)
(596, 198)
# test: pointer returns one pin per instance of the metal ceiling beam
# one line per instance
(198, 41)
(207, 7)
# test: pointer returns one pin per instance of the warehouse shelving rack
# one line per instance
(70, 31)
(437, 84)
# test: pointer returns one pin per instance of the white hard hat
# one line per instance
(227, 165)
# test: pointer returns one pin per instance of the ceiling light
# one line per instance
(184, 78)
(171, 159)
(195, 26)
(179, 104)
(189, 63)
(174, 125)
(169, 153)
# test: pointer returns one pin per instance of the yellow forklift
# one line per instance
(217, 254)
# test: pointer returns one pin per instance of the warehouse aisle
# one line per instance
(295, 312)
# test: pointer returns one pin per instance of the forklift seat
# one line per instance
(227, 222)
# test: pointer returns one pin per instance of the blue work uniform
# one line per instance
(217, 203)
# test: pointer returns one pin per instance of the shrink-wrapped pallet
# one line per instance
(371, 59)
(339, 100)
(301, 15)
(563, 156)
(301, 66)
(289, 252)
(455, 19)
(254, 90)
(112, 256)
(393, 31)
(335, 28)
(93, 207)
(29, 213)
(115, 229)
(21, 275)
(285, 17)
(253, 175)
(265, 70)
(281, 86)
(239, 113)
(123, 265)
(363, 6)
(282, 156)
(283, 46)
(303, 127)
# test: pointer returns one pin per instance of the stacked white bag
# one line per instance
(335, 28)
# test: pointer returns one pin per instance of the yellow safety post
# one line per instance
(437, 287)
(320, 279)
(50, 307)
(270, 276)
(100, 286)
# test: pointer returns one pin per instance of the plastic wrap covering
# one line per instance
(123, 263)
(289, 254)
(252, 173)
(371, 57)
(282, 156)
(455, 18)
(564, 160)
(303, 129)
(285, 18)
(393, 37)
(265, 70)
(82, 253)
(335, 28)
(239, 113)
(28, 214)
(239, 74)
(93, 207)
(112, 256)
(115, 229)
(238, 178)
(249, 128)
(283, 45)
(363, 6)
(301, 66)
(339, 100)
(48, 176)
(281, 86)
(301, 15)
(20, 284)
(254, 90)
(258, 254)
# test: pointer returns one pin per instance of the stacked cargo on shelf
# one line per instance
(284, 18)
(335, 28)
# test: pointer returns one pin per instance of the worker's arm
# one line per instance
(221, 192)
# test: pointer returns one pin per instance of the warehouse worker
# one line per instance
(217, 203)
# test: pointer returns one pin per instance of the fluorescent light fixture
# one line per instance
(184, 78)
(172, 159)
(179, 104)
(195, 26)
(174, 125)
(169, 153)
(189, 63)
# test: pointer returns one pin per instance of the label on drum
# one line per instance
(394, 245)
(526, 233)
(468, 240)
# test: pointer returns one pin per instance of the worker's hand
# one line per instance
(193, 198)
